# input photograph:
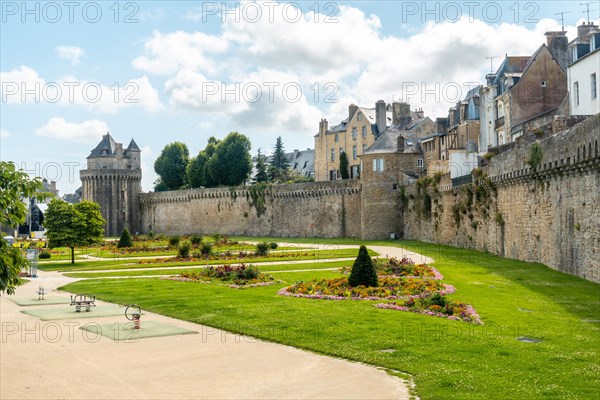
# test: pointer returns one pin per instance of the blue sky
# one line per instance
(184, 70)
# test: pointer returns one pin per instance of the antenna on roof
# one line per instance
(491, 58)
(587, 9)
(562, 18)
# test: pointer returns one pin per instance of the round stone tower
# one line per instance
(113, 180)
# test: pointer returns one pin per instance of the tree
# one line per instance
(196, 171)
(171, 165)
(279, 163)
(14, 187)
(363, 271)
(261, 169)
(125, 239)
(231, 164)
(344, 166)
(73, 225)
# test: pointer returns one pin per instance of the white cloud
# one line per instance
(70, 53)
(166, 54)
(149, 176)
(4, 133)
(85, 132)
(24, 85)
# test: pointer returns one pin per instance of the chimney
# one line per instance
(53, 188)
(380, 116)
(323, 126)
(420, 113)
(442, 124)
(296, 153)
(401, 115)
(401, 144)
(583, 30)
(558, 43)
(352, 110)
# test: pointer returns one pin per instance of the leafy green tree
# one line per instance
(196, 171)
(231, 164)
(14, 187)
(125, 239)
(261, 169)
(279, 162)
(344, 166)
(171, 165)
(363, 271)
(73, 225)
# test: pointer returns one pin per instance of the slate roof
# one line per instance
(388, 142)
(133, 145)
(107, 143)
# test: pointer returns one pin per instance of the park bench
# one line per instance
(83, 300)
(41, 292)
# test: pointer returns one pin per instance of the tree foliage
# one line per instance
(363, 271)
(14, 187)
(279, 162)
(73, 225)
(261, 169)
(344, 166)
(198, 172)
(231, 163)
(171, 165)
(125, 239)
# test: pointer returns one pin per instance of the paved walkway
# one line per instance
(55, 359)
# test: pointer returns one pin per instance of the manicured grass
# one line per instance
(448, 359)
(174, 271)
(127, 264)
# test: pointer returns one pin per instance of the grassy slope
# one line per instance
(449, 359)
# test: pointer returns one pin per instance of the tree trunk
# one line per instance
(72, 255)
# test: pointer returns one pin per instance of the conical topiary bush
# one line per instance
(125, 240)
(363, 270)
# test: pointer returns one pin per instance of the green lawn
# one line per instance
(173, 271)
(448, 359)
(131, 264)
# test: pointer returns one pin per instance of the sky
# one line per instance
(183, 71)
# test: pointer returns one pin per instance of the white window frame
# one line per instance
(332, 155)
(419, 162)
(576, 92)
(354, 152)
(354, 133)
(594, 85)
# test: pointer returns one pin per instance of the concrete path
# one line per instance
(55, 359)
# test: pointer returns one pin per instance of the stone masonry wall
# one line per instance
(322, 209)
(550, 215)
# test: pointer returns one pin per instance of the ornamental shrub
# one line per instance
(206, 249)
(262, 249)
(45, 255)
(174, 241)
(363, 270)
(125, 240)
(184, 250)
(196, 240)
(273, 245)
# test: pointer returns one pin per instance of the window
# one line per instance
(364, 148)
(592, 43)
(442, 140)
(354, 133)
(332, 154)
(354, 152)
(364, 132)
(378, 165)
(576, 93)
(359, 116)
(341, 150)
(574, 53)
(593, 86)
(420, 162)
(337, 137)
(354, 172)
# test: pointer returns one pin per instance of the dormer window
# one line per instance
(104, 152)
(574, 53)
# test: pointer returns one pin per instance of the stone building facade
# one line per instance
(359, 131)
(113, 180)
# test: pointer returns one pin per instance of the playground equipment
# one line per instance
(83, 300)
(134, 315)
(32, 258)
(41, 292)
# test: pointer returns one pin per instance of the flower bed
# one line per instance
(417, 288)
(389, 288)
(236, 277)
(228, 256)
(457, 310)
